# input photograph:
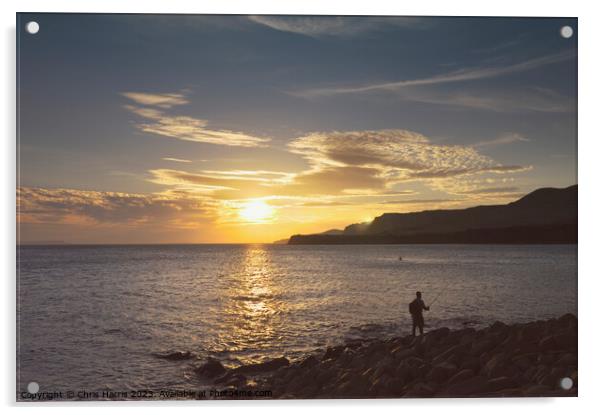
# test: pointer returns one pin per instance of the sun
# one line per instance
(256, 211)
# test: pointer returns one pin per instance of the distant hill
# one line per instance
(546, 215)
(328, 232)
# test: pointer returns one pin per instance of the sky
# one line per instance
(243, 129)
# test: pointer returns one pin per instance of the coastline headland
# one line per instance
(526, 359)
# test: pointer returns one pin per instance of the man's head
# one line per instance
(418, 294)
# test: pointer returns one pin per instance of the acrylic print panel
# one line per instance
(272, 207)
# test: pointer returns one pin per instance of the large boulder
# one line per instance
(475, 385)
(333, 352)
(210, 369)
(267, 366)
(567, 359)
(501, 383)
(461, 376)
(441, 372)
(497, 366)
(419, 390)
(232, 379)
(309, 361)
(482, 346)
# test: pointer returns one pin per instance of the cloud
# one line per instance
(419, 201)
(398, 154)
(507, 138)
(183, 127)
(342, 26)
(507, 100)
(461, 75)
(492, 190)
(345, 164)
(176, 160)
(172, 208)
(233, 185)
(158, 100)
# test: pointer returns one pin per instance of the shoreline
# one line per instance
(523, 359)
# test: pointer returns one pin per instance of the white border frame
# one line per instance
(590, 147)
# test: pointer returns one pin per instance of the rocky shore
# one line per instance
(501, 360)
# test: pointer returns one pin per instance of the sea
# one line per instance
(99, 317)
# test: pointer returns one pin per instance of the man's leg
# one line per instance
(421, 325)
(414, 327)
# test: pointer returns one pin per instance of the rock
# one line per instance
(567, 359)
(384, 371)
(175, 355)
(232, 379)
(461, 376)
(308, 390)
(355, 387)
(482, 346)
(308, 362)
(469, 337)
(333, 352)
(210, 369)
(537, 390)
(381, 386)
(498, 366)
(568, 320)
(419, 348)
(547, 344)
(501, 383)
(521, 359)
(506, 393)
(268, 366)
(472, 386)
(566, 341)
(404, 373)
(441, 372)
(322, 377)
(471, 363)
(432, 338)
(456, 350)
(522, 362)
(530, 332)
(403, 353)
(414, 361)
(498, 326)
(419, 390)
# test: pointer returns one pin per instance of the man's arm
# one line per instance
(425, 307)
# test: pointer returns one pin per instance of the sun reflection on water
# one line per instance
(252, 305)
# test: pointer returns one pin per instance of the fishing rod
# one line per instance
(438, 294)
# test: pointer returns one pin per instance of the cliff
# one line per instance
(546, 215)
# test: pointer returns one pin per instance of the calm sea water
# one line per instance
(91, 317)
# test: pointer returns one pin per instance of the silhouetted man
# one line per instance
(416, 308)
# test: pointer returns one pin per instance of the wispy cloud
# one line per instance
(183, 127)
(158, 100)
(462, 75)
(507, 100)
(176, 160)
(316, 26)
(507, 138)
(345, 164)
(399, 154)
(492, 190)
(171, 208)
(419, 201)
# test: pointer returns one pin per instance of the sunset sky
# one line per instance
(185, 129)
